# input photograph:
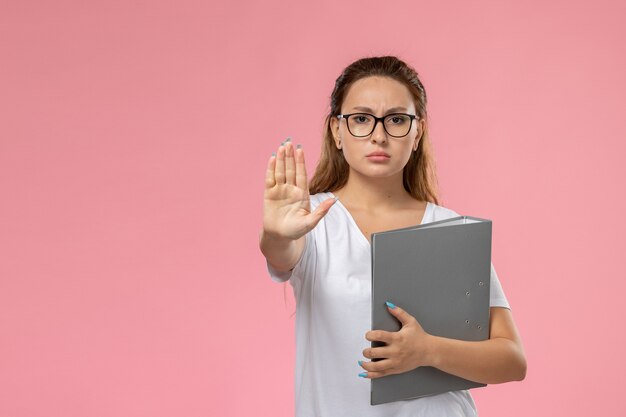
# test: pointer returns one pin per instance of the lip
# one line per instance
(378, 153)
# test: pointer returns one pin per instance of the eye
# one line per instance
(397, 119)
(361, 118)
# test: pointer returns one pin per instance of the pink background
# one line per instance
(134, 138)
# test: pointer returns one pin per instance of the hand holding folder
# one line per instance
(439, 273)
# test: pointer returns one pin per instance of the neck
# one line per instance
(373, 194)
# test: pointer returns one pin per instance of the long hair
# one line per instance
(419, 176)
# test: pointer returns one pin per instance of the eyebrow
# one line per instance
(391, 110)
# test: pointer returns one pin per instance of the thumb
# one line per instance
(404, 317)
(321, 210)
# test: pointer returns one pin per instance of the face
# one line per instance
(378, 96)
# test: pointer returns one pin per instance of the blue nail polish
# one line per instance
(282, 143)
(360, 363)
(363, 374)
(298, 146)
(288, 139)
(390, 305)
(273, 153)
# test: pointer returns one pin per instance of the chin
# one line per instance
(379, 172)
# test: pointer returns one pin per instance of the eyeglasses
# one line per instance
(363, 124)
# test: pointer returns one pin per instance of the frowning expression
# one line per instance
(378, 154)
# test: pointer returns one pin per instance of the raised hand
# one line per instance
(287, 208)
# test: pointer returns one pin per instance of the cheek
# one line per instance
(352, 152)
(403, 156)
(405, 152)
(347, 151)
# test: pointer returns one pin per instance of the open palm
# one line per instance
(287, 206)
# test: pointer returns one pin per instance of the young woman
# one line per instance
(376, 172)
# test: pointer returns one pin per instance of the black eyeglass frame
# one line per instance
(378, 119)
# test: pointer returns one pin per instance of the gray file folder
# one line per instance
(439, 273)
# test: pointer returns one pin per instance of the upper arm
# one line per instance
(501, 324)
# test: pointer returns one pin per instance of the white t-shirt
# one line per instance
(332, 288)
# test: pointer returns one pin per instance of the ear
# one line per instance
(334, 128)
(420, 132)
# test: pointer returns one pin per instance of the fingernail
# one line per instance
(390, 305)
(288, 139)
(298, 146)
(363, 374)
(273, 153)
(282, 143)
(360, 363)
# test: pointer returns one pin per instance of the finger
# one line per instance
(385, 365)
(379, 335)
(377, 369)
(373, 375)
(404, 317)
(301, 177)
(270, 181)
(279, 172)
(290, 165)
(321, 210)
(382, 352)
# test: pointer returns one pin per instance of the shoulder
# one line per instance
(441, 213)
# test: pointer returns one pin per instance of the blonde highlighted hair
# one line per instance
(419, 176)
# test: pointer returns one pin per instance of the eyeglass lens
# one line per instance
(361, 124)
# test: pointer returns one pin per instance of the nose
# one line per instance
(379, 135)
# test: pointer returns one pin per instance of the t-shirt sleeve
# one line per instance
(301, 266)
(496, 294)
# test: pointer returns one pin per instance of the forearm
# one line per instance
(491, 361)
(278, 251)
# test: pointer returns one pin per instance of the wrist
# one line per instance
(274, 238)
(432, 351)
